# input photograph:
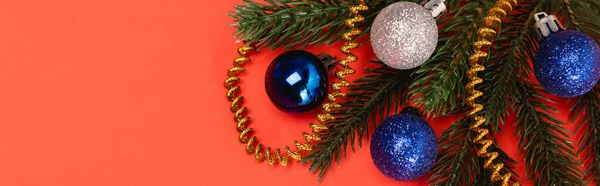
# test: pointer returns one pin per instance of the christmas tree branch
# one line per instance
(439, 88)
(457, 160)
(500, 79)
(549, 157)
(289, 23)
(583, 16)
(458, 163)
(377, 94)
(586, 111)
(297, 23)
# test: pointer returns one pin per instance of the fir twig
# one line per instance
(580, 15)
(549, 157)
(500, 77)
(458, 163)
(439, 89)
(583, 15)
(457, 160)
(586, 111)
(380, 92)
(297, 23)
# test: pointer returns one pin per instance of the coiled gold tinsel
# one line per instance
(350, 44)
(242, 119)
(485, 35)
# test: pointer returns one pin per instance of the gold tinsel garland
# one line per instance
(485, 35)
(242, 119)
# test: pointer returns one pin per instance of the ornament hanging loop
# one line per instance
(436, 7)
(547, 24)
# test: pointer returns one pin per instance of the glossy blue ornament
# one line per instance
(296, 81)
(567, 63)
(404, 146)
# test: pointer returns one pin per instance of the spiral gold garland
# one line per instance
(350, 44)
(485, 35)
(241, 118)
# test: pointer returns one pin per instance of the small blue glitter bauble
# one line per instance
(567, 63)
(404, 147)
(296, 81)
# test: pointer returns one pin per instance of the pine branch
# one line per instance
(289, 23)
(457, 160)
(586, 111)
(549, 157)
(483, 179)
(297, 23)
(580, 15)
(439, 88)
(583, 15)
(377, 94)
(500, 79)
(458, 163)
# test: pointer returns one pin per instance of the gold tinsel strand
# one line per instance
(341, 75)
(485, 35)
(241, 118)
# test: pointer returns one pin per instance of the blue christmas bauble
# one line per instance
(296, 81)
(404, 147)
(567, 63)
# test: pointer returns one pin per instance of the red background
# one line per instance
(131, 93)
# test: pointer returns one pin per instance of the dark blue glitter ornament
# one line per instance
(404, 146)
(567, 63)
(296, 81)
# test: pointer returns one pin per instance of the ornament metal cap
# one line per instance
(546, 24)
(436, 7)
(327, 60)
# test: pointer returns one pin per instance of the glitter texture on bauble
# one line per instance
(404, 147)
(567, 63)
(404, 35)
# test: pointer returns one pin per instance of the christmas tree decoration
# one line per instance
(296, 81)
(240, 116)
(405, 34)
(567, 63)
(471, 34)
(404, 146)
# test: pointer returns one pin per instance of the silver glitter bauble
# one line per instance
(404, 35)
